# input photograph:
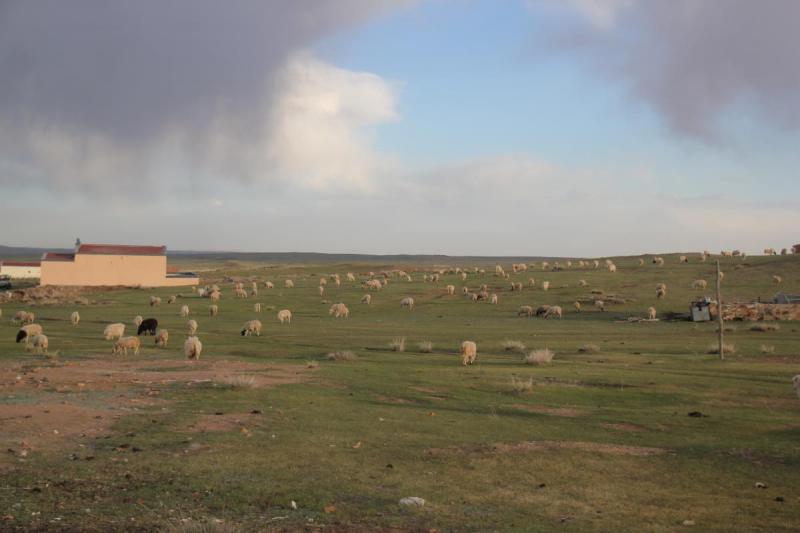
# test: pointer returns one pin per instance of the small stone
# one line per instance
(760, 485)
(412, 501)
(293, 505)
(688, 522)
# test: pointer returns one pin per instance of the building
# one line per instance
(20, 269)
(113, 265)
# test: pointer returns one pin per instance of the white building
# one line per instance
(21, 269)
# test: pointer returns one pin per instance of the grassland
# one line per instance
(601, 440)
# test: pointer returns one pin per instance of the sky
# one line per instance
(576, 128)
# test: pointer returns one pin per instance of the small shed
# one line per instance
(699, 311)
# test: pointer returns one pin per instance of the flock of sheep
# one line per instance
(34, 337)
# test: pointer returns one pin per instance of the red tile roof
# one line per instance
(55, 256)
(21, 263)
(121, 249)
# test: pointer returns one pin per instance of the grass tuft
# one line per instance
(589, 348)
(767, 349)
(540, 357)
(342, 355)
(239, 381)
(727, 349)
(520, 386)
(425, 347)
(398, 344)
(514, 346)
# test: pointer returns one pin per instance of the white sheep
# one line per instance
(469, 352)
(612, 267)
(162, 338)
(191, 325)
(28, 331)
(154, 301)
(251, 327)
(577, 306)
(661, 290)
(323, 282)
(493, 300)
(651, 313)
(269, 285)
(554, 311)
(699, 284)
(407, 302)
(545, 285)
(600, 305)
(683, 259)
(75, 318)
(366, 299)
(289, 284)
(114, 331)
(124, 344)
(451, 290)
(172, 299)
(213, 310)
(339, 310)
(777, 279)
(137, 320)
(39, 343)
(184, 311)
(350, 276)
(284, 315)
(192, 348)
(525, 310)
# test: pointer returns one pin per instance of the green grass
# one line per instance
(426, 425)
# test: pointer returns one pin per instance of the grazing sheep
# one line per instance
(600, 305)
(75, 318)
(451, 290)
(796, 384)
(596, 263)
(192, 348)
(577, 306)
(289, 284)
(323, 282)
(137, 320)
(20, 317)
(703, 257)
(124, 344)
(726, 253)
(612, 267)
(350, 276)
(407, 302)
(683, 259)
(641, 262)
(148, 327)
(269, 285)
(554, 311)
(154, 301)
(658, 261)
(366, 299)
(240, 293)
(191, 325)
(27, 331)
(516, 286)
(321, 290)
(184, 311)
(661, 290)
(469, 352)
(251, 327)
(545, 265)
(114, 331)
(777, 279)
(172, 299)
(39, 343)
(651, 313)
(213, 310)
(284, 315)
(769, 251)
(474, 297)
(541, 310)
(162, 338)
(254, 293)
(214, 296)
(254, 286)
(525, 310)
(493, 299)
(582, 283)
(373, 284)
(463, 276)
(339, 310)
(545, 285)
(30, 318)
(532, 282)
(699, 284)
(721, 275)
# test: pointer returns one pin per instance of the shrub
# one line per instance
(519, 385)
(727, 349)
(540, 356)
(425, 347)
(398, 344)
(514, 346)
(765, 326)
(342, 355)
(589, 348)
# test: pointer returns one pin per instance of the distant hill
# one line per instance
(18, 252)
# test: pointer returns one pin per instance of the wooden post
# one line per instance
(719, 315)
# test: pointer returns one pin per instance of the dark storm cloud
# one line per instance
(125, 69)
(694, 59)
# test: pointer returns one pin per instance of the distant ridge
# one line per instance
(293, 257)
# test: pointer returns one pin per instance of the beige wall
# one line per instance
(20, 271)
(111, 270)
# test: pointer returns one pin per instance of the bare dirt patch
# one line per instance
(549, 445)
(569, 412)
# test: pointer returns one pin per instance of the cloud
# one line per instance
(696, 61)
(103, 96)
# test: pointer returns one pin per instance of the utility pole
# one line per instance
(719, 314)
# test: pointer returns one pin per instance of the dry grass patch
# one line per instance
(514, 346)
(541, 356)
(398, 344)
(342, 355)
(519, 385)
(589, 348)
(767, 349)
(238, 381)
(727, 349)
(425, 347)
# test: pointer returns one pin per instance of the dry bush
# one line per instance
(342, 355)
(238, 381)
(727, 349)
(767, 349)
(764, 326)
(589, 348)
(398, 344)
(540, 357)
(514, 346)
(425, 347)
(519, 385)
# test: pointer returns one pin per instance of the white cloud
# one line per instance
(601, 13)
